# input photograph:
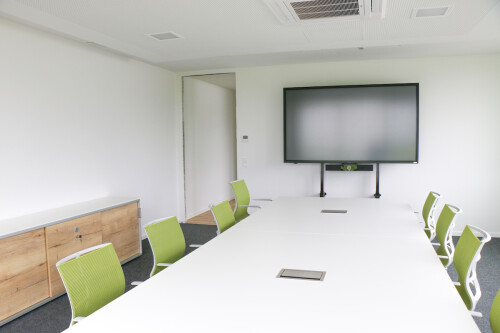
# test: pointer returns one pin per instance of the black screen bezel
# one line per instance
(415, 161)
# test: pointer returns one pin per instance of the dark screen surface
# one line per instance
(377, 123)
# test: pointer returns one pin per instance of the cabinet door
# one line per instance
(120, 226)
(23, 272)
(67, 238)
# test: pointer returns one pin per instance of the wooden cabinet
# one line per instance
(67, 238)
(23, 272)
(28, 272)
(120, 227)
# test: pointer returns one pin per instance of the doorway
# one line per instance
(209, 121)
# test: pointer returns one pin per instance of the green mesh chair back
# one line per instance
(428, 214)
(167, 242)
(467, 254)
(444, 227)
(223, 215)
(242, 198)
(92, 277)
(495, 314)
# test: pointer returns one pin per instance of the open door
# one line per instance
(209, 116)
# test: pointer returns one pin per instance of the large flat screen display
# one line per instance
(370, 123)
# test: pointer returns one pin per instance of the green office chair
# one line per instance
(428, 214)
(92, 277)
(223, 215)
(167, 242)
(444, 228)
(467, 254)
(495, 314)
(242, 198)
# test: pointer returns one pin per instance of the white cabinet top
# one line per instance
(18, 225)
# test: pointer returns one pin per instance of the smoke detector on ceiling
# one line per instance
(165, 35)
(315, 11)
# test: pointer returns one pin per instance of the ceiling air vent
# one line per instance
(430, 12)
(165, 35)
(310, 10)
(314, 11)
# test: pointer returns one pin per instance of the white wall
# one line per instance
(209, 144)
(78, 123)
(459, 133)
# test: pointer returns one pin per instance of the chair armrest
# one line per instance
(77, 319)
(249, 206)
(195, 245)
(476, 314)
(456, 283)
(136, 283)
(263, 199)
(163, 264)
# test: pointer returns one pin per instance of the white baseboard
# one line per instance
(203, 210)
(197, 213)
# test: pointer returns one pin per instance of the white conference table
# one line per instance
(382, 275)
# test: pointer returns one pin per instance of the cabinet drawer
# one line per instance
(120, 226)
(23, 272)
(67, 238)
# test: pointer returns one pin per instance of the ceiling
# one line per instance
(239, 33)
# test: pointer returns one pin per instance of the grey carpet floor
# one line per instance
(55, 315)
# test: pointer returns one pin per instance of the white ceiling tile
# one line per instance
(400, 25)
(247, 29)
(331, 32)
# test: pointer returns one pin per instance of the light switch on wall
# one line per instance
(244, 162)
(244, 138)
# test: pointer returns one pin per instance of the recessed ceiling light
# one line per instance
(430, 12)
(165, 35)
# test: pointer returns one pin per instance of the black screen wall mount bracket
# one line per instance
(377, 182)
(322, 193)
